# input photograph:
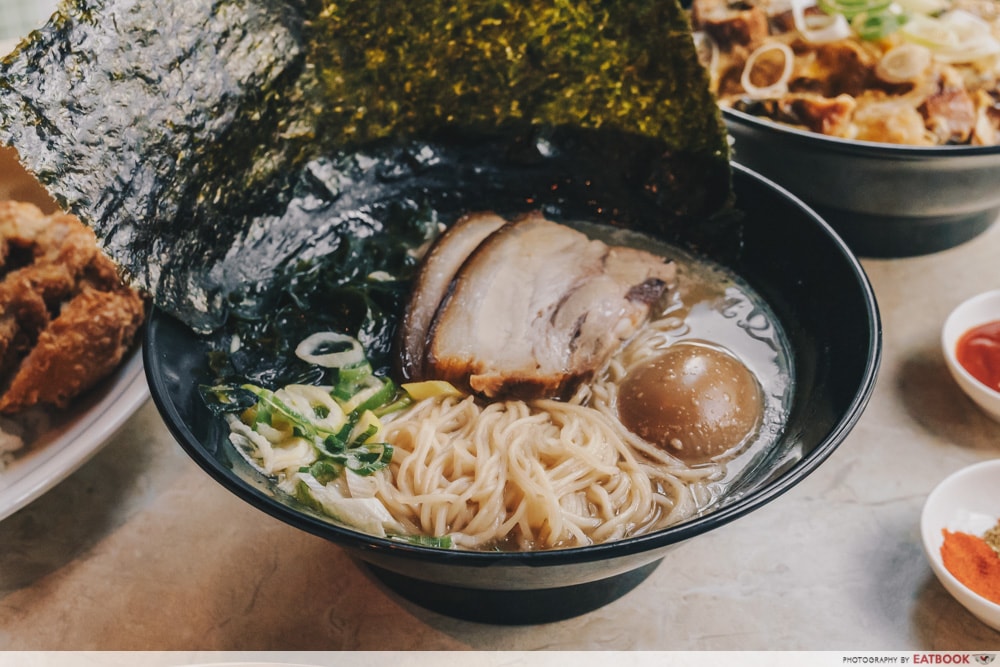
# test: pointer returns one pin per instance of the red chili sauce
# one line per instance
(978, 351)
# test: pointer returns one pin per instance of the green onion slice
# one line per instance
(330, 349)
(851, 8)
(871, 26)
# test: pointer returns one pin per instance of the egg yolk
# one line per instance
(695, 401)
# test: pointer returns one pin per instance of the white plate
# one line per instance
(77, 433)
(74, 436)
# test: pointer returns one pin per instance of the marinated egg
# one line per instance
(696, 401)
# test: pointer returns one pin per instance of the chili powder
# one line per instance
(973, 562)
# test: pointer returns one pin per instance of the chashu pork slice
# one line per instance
(442, 261)
(538, 307)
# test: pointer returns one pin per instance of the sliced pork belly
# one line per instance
(439, 266)
(537, 308)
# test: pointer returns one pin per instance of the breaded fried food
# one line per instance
(66, 318)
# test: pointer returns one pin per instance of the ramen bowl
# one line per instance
(793, 260)
(884, 200)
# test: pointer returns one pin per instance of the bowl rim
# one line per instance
(870, 149)
(928, 536)
(951, 332)
(630, 546)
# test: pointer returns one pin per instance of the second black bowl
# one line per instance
(884, 200)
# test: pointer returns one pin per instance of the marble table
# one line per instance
(141, 550)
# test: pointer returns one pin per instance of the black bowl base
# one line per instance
(512, 607)
(881, 237)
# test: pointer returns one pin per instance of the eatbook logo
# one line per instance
(953, 658)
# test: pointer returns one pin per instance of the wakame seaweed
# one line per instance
(221, 148)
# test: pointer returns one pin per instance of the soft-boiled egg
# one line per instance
(696, 400)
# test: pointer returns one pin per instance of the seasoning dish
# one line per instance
(790, 256)
(884, 200)
(963, 501)
(974, 312)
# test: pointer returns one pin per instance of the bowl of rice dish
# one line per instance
(880, 115)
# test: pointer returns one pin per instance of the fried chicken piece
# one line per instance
(60, 247)
(66, 318)
(20, 323)
(81, 346)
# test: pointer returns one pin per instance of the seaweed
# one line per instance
(216, 146)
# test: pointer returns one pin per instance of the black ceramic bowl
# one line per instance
(823, 300)
(885, 200)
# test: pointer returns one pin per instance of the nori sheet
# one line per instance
(197, 136)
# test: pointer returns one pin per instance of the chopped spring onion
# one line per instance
(330, 350)
(367, 394)
(273, 411)
(777, 87)
(851, 8)
(316, 402)
(819, 28)
(906, 62)
(876, 25)
(443, 542)
(869, 19)
(367, 430)
(323, 443)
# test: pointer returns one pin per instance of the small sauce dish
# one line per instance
(970, 314)
(964, 501)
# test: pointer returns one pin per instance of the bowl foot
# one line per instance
(877, 236)
(513, 607)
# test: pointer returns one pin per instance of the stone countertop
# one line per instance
(141, 550)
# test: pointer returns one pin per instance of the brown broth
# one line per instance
(712, 304)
